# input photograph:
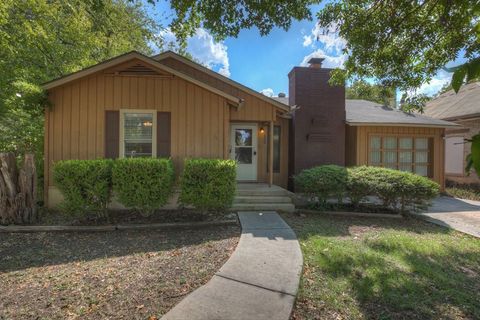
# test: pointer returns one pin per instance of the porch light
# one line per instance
(262, 130)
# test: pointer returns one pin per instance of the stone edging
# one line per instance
(180, 225)
(355, 214)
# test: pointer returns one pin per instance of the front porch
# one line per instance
(262, 197)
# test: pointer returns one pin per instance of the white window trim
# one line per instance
(122, 129)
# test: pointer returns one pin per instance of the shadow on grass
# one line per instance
(25, 250)
(389, 269)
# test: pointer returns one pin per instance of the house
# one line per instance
(168, 106)
(462, 108)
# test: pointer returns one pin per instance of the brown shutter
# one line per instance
(112, 134)
(163, 134)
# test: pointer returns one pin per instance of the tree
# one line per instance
(404, 43)
(41, 40)
(228, 17)
(372, 92)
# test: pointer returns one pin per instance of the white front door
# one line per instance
(243, 143)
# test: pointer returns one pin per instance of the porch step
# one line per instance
(262, 199)
(262, 192)
(288, 207)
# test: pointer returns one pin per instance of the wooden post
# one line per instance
(270, 158)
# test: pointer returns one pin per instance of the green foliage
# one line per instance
(371, 92)
(396, 189)
(227, 18)
(403, 43)
(359, 186)
(323, 182)
(85, 185)
(143, 183)
(208, 184)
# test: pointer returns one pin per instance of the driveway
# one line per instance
(459, 214)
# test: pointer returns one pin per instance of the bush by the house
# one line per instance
(85, 184)
(401, 191)
(322, 182)
(359, 185)
(208, 184)
(143, 183)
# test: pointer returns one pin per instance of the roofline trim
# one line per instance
(470, 116)
(396, 124)
(171, 54)
(126, 57)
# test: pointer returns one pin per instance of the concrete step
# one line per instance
(288, 207)
(262, 199)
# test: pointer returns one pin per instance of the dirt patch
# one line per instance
(55, 217)
(119, 275)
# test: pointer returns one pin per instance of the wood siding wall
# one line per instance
(358, 137)
(200, 119)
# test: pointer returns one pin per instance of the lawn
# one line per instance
(359, 268)
(112, 275)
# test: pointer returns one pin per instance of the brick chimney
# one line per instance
(317, 134)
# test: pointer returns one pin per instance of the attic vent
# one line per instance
(138, 69)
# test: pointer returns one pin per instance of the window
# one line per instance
(138, 134)
(410, 154)
(276, 149)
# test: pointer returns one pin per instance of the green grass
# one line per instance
(358, 268)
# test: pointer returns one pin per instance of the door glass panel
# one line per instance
(405, 167)
(243, 155)
(243, 137)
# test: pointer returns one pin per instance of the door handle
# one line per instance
(254, 153)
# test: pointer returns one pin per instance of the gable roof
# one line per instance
(363, 112)
(127, 57)
(451, 105)
(171, 54)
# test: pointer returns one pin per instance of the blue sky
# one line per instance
(263, 63)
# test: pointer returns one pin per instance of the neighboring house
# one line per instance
(462, 108)
(169, 106)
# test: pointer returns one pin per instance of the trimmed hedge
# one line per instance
(396, 189)
(323, 182)
(85, 184)
(144, 184)
(208, 184)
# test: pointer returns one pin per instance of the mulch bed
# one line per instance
(55, 217)
(121, 275)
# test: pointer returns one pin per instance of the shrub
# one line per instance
(208, 184)
(396, 189)
(85, 184)
(359, 185)
(144, 184)
(323, 182)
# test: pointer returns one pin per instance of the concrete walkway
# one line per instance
(259, 281)
(459, 214)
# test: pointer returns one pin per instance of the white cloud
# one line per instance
(202, 47)
(433, 86)
(329, 39)
(329, 62)
(307, 41)
(267, 92)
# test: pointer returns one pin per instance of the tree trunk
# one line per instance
(18, 190)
